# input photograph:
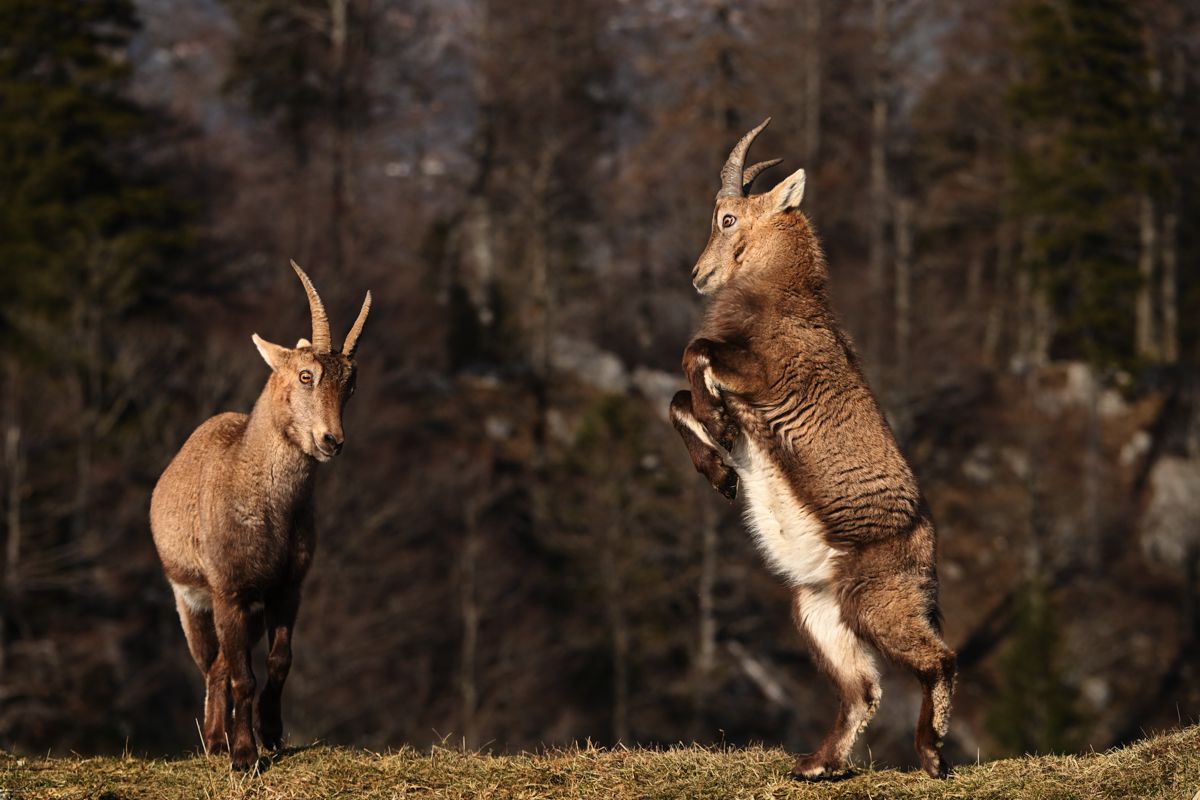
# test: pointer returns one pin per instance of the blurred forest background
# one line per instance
(515, 550)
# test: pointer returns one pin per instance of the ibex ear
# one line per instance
(303, 343)
(788, 193)
(273, 354)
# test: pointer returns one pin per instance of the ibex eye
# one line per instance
(728, 220)
(306, 376)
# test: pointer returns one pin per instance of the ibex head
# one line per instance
(737, 215)
(311, 383)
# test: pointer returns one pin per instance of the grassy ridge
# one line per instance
(1166, 766)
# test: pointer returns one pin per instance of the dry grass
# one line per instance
(1166, 766)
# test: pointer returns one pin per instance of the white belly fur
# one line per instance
(198, 600)
(789, 535)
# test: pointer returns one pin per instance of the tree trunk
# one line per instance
(469, 610)
(1191, 594)
(539, 324)
(706, 650)
(1146, 337)
(14, 470)
(338, 27)
(619, 631)
(879, 184)
(1036, 317)
(480, 252)
(812, 91)
(479, 227)
(903, 289)
(83, 476)
(974, 280)
(1043, 327)
(1002, 294)
(1168, 300)
(1093, 480)
(541, 289)
(1034, 556)
(726, 94)
(902, 301)
(88, 389)
(999, 336)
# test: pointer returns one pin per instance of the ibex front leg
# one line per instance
(716, 368)
(281, 608)
(231, 614)
(708, 459)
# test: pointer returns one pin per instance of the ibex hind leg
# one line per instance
(899, 619)
(846, 660)
(201, 637)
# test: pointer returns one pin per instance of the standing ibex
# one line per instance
(779, 408)
(232, 517)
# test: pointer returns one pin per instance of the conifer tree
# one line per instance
(1083, 107)
(93, 240)
(1035, 708)
(83, 218)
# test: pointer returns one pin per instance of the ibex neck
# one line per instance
(793, 271)
(268, 458)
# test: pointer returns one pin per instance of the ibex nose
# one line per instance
(334, 443)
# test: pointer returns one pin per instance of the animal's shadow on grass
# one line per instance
(836, 777)
(846, 775)
(264, 763)
(269, 760)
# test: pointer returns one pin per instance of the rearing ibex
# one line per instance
(232, 517)
(779, 409)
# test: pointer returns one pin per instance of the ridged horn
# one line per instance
(731, 173)
(352, 337)
(321, 340)
(754, 170)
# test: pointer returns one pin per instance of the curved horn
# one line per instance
(754, 170)
(321, 341)
(731, 173)
(352, 337)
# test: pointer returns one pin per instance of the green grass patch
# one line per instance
(1166, 766)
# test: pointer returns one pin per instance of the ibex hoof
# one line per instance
(272, 739)
(729, 434)
(817, 768)
(934, 765)
(244, 759)
(729, 486)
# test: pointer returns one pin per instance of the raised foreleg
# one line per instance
(707, 456)
(715, 368)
